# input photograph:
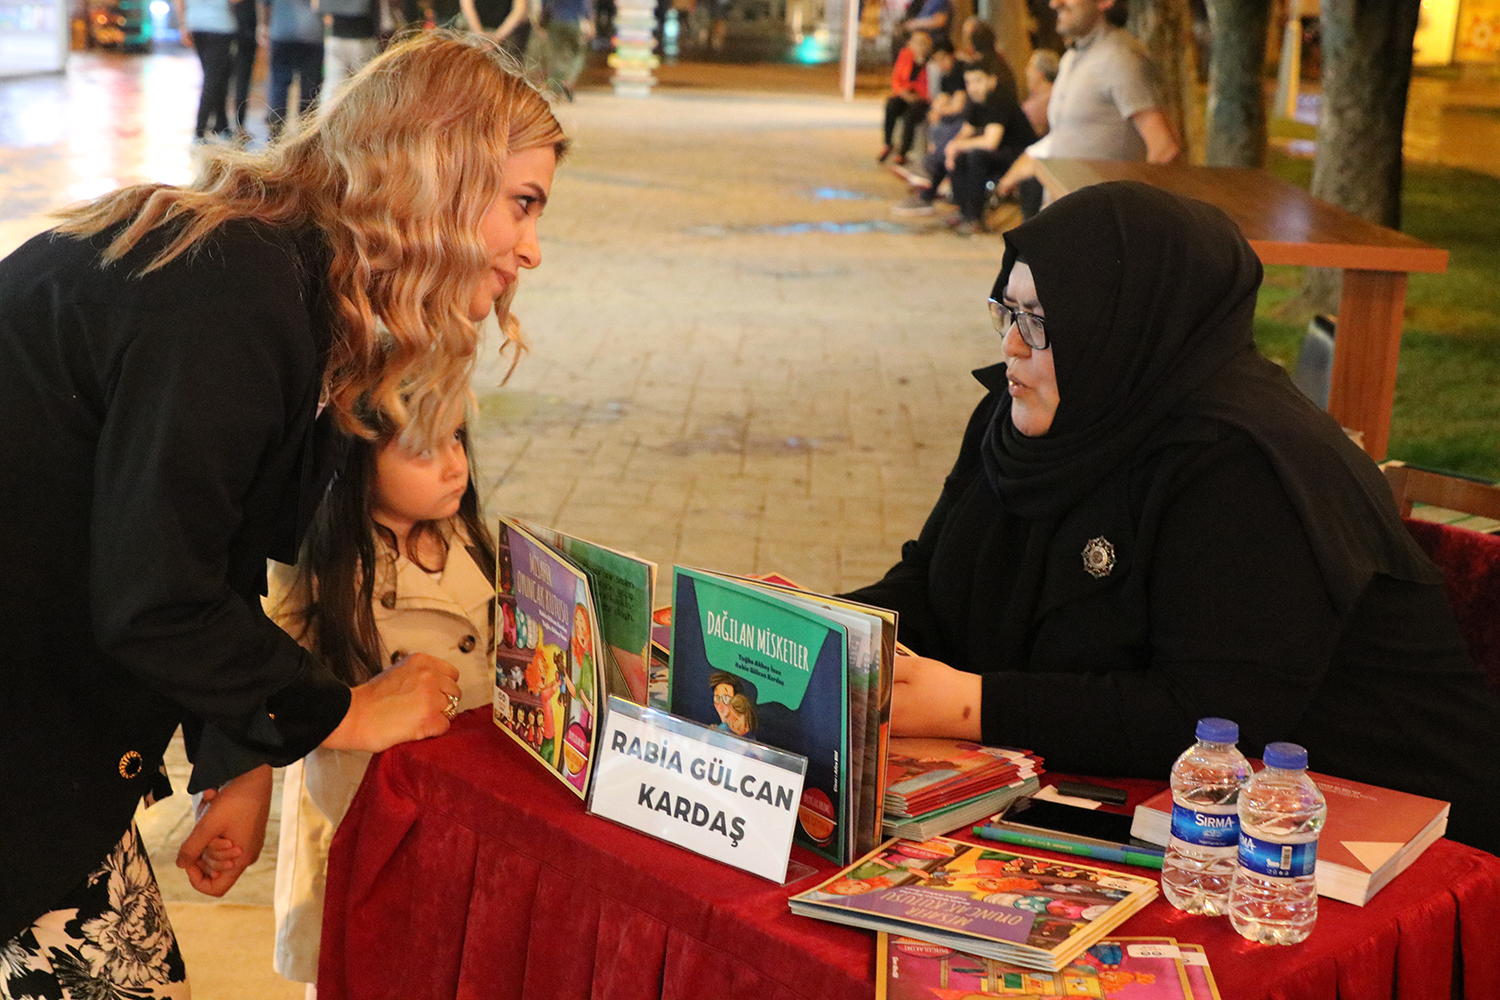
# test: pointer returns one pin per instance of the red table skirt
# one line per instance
(464, 870)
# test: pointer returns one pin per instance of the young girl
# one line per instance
(398, 561)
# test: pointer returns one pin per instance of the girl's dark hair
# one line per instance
(341, 561)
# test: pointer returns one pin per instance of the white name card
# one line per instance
(703, 789)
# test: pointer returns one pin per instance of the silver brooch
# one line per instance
(1098, 557)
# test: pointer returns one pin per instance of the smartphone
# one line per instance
(1058, 817)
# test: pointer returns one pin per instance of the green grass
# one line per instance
(1447, 409)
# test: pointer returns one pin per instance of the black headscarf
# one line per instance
(1149, 301)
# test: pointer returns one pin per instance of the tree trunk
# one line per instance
(1008, 18)
(1166, 28)
(1236, 95)
(1367, 53)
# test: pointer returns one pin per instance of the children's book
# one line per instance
(934, 786)
(801, 672)
(1117, 968)
(1371, 835)
(1034, 912)
(872, 652)
(661, 657)
(927, 773)
(624, 586)
(548, 655)
(946, 819)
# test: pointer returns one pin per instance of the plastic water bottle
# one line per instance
(1274, 898)
(1206, 784)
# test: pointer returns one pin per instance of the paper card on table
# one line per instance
(709, 791)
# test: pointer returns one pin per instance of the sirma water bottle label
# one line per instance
(1206, 826)
(1263, 857)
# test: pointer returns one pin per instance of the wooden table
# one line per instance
(1286, 225)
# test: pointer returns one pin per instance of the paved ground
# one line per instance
(738, 359)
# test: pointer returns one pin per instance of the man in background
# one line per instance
(993, 134)
(1106, 102)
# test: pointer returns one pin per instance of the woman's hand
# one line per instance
(930, 698)
(229, 834)
(407, 702)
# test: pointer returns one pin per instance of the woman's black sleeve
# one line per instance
(905, 586)
(199, 414)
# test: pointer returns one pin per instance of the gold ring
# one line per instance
(452, 708)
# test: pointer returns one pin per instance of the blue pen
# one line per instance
(1144, 857)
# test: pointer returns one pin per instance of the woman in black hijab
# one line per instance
(1148, 524)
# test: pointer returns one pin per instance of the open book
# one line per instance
(572, 625)
(624, 587)
(798, 671)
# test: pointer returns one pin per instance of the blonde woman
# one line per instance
(175, 367)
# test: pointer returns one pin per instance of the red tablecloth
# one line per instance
(463, 870)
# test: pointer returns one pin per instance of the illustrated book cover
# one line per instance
(549, 661)
(1032, 911)
(1117, 968)
(1372, 834)
(796, 671)
(624, 587)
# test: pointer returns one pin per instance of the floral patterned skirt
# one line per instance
(108, 940)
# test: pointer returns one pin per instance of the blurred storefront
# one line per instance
(33, 36)
(1459, 31)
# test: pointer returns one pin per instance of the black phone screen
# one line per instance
(1095, 823)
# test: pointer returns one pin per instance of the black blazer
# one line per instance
(157, 443)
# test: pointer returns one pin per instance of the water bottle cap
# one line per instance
(1287, 756)
(1218, 731)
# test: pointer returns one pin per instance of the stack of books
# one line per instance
(934, 786)
(1031, 911)
(1371, 835)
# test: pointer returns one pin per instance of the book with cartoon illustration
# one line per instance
(624, 586)
(800, 672)
(1034, 912)
(1117, 968)
(871, 664)
(549, 660)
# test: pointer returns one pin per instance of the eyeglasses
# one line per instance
(1032, 327)
(723, 699)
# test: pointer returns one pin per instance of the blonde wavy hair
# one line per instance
(397, 175)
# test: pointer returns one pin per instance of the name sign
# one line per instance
(704, 789)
